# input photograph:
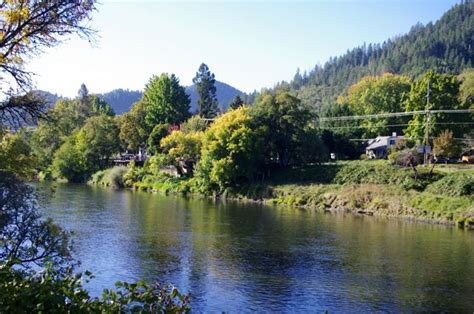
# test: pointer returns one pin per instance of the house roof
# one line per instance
(381, 141)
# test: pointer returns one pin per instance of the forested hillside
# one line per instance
(121, 100)
(445, 46)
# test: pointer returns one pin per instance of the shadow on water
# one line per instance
(234, 256)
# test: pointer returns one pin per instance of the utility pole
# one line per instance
(427, 127)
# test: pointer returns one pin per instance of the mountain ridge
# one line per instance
(121, 100)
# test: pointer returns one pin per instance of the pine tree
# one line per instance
(83, 97)
(83, 93)
(205, 85)
(236, 102)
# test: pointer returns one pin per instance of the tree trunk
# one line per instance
(416, 171)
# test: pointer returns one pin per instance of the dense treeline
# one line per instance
(246, 143)
(446, 46)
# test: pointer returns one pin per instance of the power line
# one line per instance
(393, 114)
(455, 139)
(395, 125)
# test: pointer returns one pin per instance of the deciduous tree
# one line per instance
(445, 145)
(27, 28)
(231, 151)
(165, 101)
(378, 94)
(444, 91)
(286, 122)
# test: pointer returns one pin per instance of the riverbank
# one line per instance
(372, 188)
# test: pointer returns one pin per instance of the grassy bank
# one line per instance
(360, 187)
(377, 199)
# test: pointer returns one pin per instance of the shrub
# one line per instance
(454, 184)
(363, 172)
(115, 175)
(112, 177)
(51, 292)
(134, 174)
(194, 124)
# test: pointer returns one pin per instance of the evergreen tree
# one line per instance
(83, 93)
(236, 102)
(83, 97)
(445, 46)
(205, 84)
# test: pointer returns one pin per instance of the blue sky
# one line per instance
(247, 44)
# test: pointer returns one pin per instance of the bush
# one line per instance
(454, 184)
(194, 124)
(406, 158)
(363, 172)
(112, 177)
(133, 175)
(50, 291)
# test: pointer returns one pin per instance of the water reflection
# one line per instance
(233, 256)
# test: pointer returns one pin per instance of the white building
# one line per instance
(378, 148)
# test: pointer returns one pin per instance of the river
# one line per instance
(241, 256)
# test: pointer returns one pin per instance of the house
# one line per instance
(378, 148)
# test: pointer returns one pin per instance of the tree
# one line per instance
(444, 90)
(165, 101)
(134, 130)
(205, 85)
(236, 102)
(159, 132)
(183, 149)
(83, 93)
(88, 150)
(15, 155)
(66, 117)
(230, 152)
(98, 106)
(98, 140)
(27, 28)
(378, 94)
(194, 124)
(17, 110)
(445, 145)
(466, 90)
(339, 144)
(27, 241)
(287, 123)
(69, 163)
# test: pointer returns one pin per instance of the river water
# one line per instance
(242, 257)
